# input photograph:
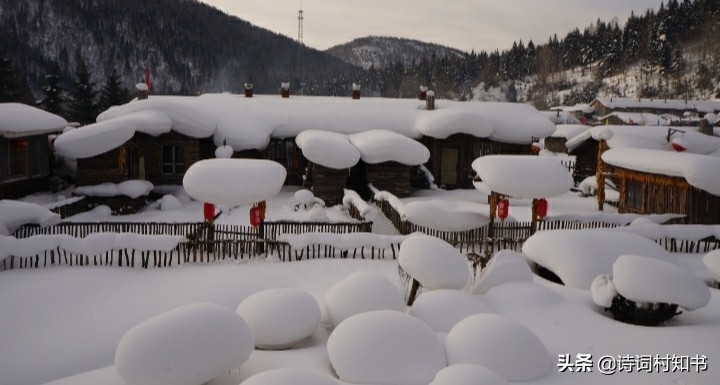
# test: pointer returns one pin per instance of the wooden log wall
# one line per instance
(328, 184)
(390, 176)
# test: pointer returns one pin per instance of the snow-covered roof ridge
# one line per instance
(523, 176)
(250, 123)
(639, 118)
(18, 120)
(698, 170)
(700, 105)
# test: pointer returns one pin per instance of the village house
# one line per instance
(25, 162)
(157, 139)
(680, 108)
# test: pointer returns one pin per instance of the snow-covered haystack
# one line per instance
(712, 262)
(289, 376)
(467, 374)
(523, 176)
(131, 188)
(169, 202)
(14, 214)
(648, 291)
(385, 347)
(446, 216)
(189, 345)
(234, 182)
(500, 344)
(434, 263)
(505, 266)
(578, 256)
(280, 318)
(361, 292)
(443, 309)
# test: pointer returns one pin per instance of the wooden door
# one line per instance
(449, 167)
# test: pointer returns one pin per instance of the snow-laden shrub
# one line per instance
(712, 262)
(433, 262)
(385, 347)
(280, 318)
(443, 309)
(505, 266)
(169, 202)
(289, 376)
(467, 374)
(360, 292)
(189, 345)
(500, 344)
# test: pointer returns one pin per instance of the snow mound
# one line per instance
(523, 176)
(361, 292)
(224, 151)
(443, 309)
(520, 295)
(385, 347)
(131, 188)
(433, 262)
(500, 344)
(189, 345)
(712, 262)
(329, 149)
(289, 376)
(234, 182)
(505, 266)
(378, 146)
(14, 214)
(644, 279)
(446, 215)
(467, 374)
(603, 290)
(305, 197)
(280, 318)
(169, 202)
(578, 256)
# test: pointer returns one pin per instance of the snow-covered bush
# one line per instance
(467, 374)
(361, 292)
(385, 347)
(433, 262)
(189, 345)
(712, 262)
(280, 318)
(499, 344)
(646, 291)
(443, 309)
(505, 266)
(306, 200)
(290, 376)
(169, 202)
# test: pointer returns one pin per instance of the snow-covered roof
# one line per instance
(660, 104)
(250, 123)
(698, 170)
(523, 176)
(648, 137)
(18, 120)
(639, 118)
(560, 117)
(569, 131)
(580, 107)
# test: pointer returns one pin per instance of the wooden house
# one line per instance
(685, 183)
(606, 106)
(25, 158)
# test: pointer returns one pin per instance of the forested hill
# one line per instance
(189, 47)
(383, 52)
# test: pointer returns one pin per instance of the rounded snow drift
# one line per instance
(280, 318)
(499, 344)
(385, 347)
(189, 345)
(361, 292)
(505, 266)
(433, 262)
(234, 182)
(467, 374)
(443, 309)
(712, 262)
(290, 376)
(224, 152)
(304, 197)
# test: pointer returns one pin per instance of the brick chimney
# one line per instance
(430, 100)
(142, 91)
(285, 90)
(248, 90)
(355, 91)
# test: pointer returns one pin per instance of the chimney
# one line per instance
(423, 93)
(142, 91)
(355, 91)
(285, 90)
(430, 100)
(248, 90)
(706, 127)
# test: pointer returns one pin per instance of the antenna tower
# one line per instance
(300, 27)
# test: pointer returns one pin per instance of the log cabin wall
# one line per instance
(556, 145)
(585, 159)
(328, 183)
(31, 167)
(286, 152)
(390, 176)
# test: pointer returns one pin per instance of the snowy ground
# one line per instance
(67, 321)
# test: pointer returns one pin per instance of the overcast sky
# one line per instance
(464, 24)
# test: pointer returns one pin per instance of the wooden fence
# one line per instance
(286, 253)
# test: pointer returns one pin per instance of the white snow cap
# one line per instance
(603, 290)
(443, 309)
(433, 262)
(14, 214)
(132, 188)
(224, 151)
(467, 374)
(500, 344)
(328, 149)
(141, 87)
(446, 215)
(523, 176)
(578, 256)
(267, 312)
(505, 266)
(288, 376)
(385, 347)
(361, 292)
(644, 279)
(189, 345)
(234, 182)
(18, 120)
(712, 262)
(378, 146)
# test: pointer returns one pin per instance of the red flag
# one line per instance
(147, 78)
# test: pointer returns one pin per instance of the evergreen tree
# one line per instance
(12, 87)
(112, 93)
(55, 99)
(83, 107)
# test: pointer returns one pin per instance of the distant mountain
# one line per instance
(189, 47)
(382, 52)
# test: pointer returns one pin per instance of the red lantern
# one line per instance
(209, 212)
(678, 144)
(19, 144)
(503, 207)
(535, 148)
(255, 216)
(541, 208)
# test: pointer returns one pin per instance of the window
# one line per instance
(17, 159)
(173, 159)
(634, 195)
